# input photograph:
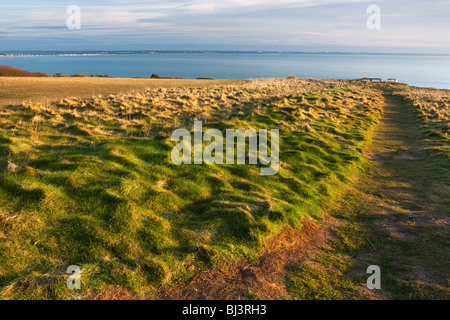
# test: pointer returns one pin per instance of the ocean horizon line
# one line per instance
(31, 53)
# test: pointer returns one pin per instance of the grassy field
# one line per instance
(89, 181)
(16, 90)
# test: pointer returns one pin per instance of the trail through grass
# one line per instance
(395, 215)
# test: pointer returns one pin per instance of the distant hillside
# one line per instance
(8, 71)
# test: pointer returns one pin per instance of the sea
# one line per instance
(424, 70)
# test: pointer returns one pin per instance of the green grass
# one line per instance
(90, 182)
(312, 283)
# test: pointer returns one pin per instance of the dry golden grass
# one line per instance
(16, 90)
(177, 104)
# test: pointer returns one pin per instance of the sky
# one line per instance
(406, 26)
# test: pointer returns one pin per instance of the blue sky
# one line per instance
(304, 25)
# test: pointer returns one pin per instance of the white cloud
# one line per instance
(258, 23)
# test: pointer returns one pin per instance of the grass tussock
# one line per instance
(89, 182)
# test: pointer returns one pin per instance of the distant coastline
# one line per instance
(9, 71)
(68, 53)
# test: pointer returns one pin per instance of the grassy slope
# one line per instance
(90, 182)
(45, 90)
(396, 214)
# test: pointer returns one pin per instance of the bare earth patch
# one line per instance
(268, 278)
